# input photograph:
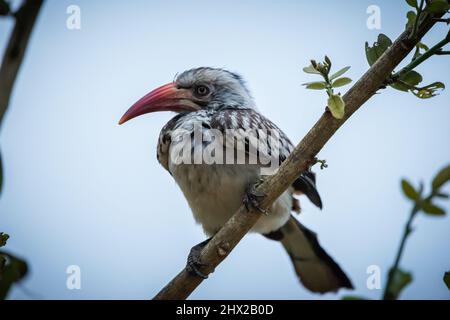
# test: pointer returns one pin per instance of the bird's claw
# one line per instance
(194, 262)
(251, 200)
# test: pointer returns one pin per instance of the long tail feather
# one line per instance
(316, 270)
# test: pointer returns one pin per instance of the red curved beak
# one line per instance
(165, 98)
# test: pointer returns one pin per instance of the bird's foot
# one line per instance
(193, 260)
(251, 199)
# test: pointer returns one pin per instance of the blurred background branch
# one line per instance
(13, 269)
(25, 18)
(398, 279)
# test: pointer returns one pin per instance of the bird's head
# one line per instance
(193, 90)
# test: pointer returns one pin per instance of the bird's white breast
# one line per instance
(214, 193)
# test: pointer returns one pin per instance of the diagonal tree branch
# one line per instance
(298, 161)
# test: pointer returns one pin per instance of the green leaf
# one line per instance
(319, 85)
(411, 16)
(384, 41)
(447, 279)
(432, 209)
(3, 239)
(310, 69)
(423, 46)
(407, 81)
(341, 82)
(370, 54)
(323, 69)
(419, 46)
(336, 106)
(401, 86)
(436, 85)
(438, 6)
(409, 191)
(400, 279)
(429, 91)
(354, 298)
(376, 51)
(412, 3)
(412, 78)
(13, 271)
(339, 73)
(441, 178)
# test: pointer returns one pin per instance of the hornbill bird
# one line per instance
(216, 99)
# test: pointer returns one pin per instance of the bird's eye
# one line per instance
(201, 90)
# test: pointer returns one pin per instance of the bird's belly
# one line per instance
(215, 192)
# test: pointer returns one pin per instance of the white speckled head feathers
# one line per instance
(228, 89)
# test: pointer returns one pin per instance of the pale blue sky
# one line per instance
(79, 189)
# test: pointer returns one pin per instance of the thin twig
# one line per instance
(406, 232)
(442, 53)
(393, 269)
(413, 64)
(416, 21)
(447, 21)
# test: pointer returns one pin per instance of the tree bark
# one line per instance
(298, 161)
